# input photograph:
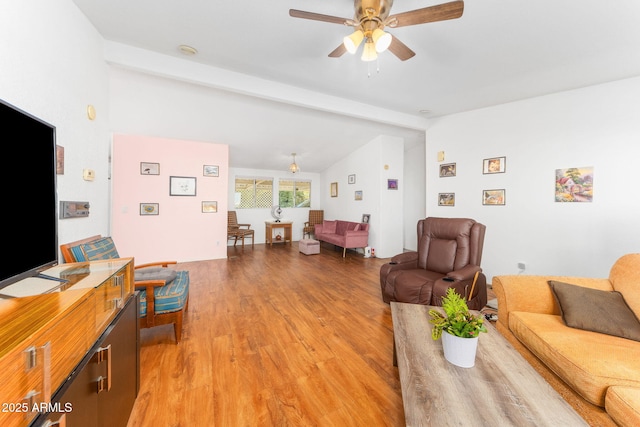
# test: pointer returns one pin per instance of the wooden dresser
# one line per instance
(53, 331)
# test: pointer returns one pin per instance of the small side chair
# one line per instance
(238, 231)
(164, 292)
(315, 217)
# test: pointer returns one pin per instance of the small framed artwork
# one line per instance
(352, 179)
(447, 170)
(392, 184)
(334, 189)
(149, 208)
(365, 218)
(211, 170)
(494, 165)
(358, 195)
(209, 207)
(182, 186)
(59, 160)
(493, 197)
(446, 199)
(149, 168)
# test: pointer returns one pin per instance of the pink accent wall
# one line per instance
(181, 232)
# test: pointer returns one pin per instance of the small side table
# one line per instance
(271, 225)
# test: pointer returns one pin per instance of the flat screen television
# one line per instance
(28, 177)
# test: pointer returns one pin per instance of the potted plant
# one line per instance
(458, 328)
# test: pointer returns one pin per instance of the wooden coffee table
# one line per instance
(502, 389)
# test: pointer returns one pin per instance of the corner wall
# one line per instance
(385, 206)
(596, 126)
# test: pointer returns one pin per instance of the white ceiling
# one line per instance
(498, 51)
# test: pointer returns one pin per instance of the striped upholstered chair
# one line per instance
(164, 292)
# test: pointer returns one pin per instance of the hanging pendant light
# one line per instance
(293, 167)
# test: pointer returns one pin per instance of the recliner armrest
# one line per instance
(405, 257)
(466, 272)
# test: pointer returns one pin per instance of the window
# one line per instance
(253, 193)
(294, 194)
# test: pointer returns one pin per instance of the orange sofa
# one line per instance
(598, 373)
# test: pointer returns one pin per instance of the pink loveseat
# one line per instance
(345, 234)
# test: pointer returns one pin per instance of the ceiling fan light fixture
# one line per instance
(369, 53)
(352, 41)
(381, 40)
(293, 167)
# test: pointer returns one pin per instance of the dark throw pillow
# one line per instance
(596, 310)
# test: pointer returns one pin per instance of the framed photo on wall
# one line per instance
(392, 184)
(149, 209)
(209, 207)
(365, 218)
(446, 199)
(447, 170)
(358, 195)
(149, 168)
(493, 197)
(211, 170)
(182, 186)
(494, 165)
(352, 179)
(334, 189)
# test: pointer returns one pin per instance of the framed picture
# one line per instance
(493, 197)
(182, 186)
(494, 165)
(358, 195)
(209, 207)
(334, 189)
(447, 169)
(210, 170)
(392, 184)
(365, 218)
(59, 160)
(446, 199)
(149, 168)
(352, 179)
(574, 185)
(149, 208)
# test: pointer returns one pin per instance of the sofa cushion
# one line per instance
(168, 298)
(623, 405)
(577, 356)
(103, 248)
(595, 310)
(329, 227)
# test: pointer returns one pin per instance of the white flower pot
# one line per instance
(459, 351)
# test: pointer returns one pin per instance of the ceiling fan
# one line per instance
(370, 19)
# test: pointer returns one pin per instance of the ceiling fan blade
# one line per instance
(338, 52)
(441, 12)
(400, 49)
(317, 17)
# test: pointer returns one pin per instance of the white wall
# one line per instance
(257, 217)
(596, 126)
(414, 194)
(52, 67)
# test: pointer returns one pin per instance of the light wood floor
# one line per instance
(275, 338)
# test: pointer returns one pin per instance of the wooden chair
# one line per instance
(315, 217)
(164, 292)
(238, 231)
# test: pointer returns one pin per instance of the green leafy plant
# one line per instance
(457, 320)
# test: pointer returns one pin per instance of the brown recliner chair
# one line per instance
(448, 256)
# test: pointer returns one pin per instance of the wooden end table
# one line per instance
(271, 225)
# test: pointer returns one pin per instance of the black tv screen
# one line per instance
(28, 177)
